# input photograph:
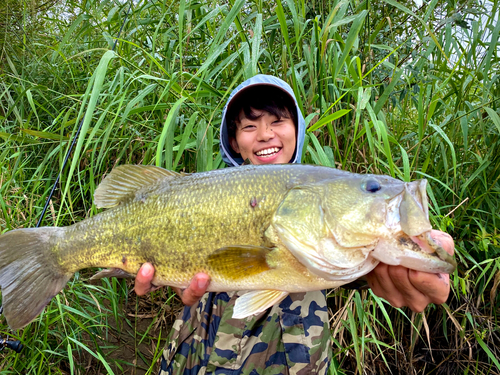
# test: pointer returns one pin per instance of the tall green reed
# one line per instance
(380, 93)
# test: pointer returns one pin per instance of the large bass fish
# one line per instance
(272, 230)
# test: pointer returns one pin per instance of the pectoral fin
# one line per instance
(237, 262)
(257, 301)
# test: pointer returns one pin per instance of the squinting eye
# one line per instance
(372, 186)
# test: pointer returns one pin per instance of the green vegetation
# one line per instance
(385, 87)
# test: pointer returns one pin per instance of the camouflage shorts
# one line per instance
(292, 338)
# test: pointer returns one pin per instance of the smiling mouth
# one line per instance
(268, 152)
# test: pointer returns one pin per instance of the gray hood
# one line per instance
(232, 159)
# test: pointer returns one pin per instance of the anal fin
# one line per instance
(257, 301)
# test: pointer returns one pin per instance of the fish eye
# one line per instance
(372, 186)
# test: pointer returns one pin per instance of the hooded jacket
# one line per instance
(233, 159)
(290, 338)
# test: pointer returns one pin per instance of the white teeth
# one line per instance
(267, 151)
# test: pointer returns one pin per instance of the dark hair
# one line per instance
(262, 98)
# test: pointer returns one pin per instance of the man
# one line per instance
(263, 124)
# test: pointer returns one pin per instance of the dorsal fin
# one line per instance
(125, 180)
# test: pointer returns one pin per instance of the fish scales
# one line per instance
(178, 223)
(274, 229)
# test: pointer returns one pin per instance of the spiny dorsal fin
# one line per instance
(125, 180)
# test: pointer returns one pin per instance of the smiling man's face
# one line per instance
(265, 140)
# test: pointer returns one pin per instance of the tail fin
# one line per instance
(29, 273)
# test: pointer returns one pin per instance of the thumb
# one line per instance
(144, 278)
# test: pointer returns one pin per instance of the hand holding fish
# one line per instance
(401, 286)
(189, 296)
(398, 285)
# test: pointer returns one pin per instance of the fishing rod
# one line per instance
(75, 138)
(16, 345)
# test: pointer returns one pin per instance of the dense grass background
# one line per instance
(386, 87)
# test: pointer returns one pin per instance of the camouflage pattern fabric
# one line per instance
(292, 338)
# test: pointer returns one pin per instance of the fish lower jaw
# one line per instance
(398, 253)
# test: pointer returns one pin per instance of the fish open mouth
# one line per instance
(405, 251)
(427, 244)
(413, 211)
(411, 244)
